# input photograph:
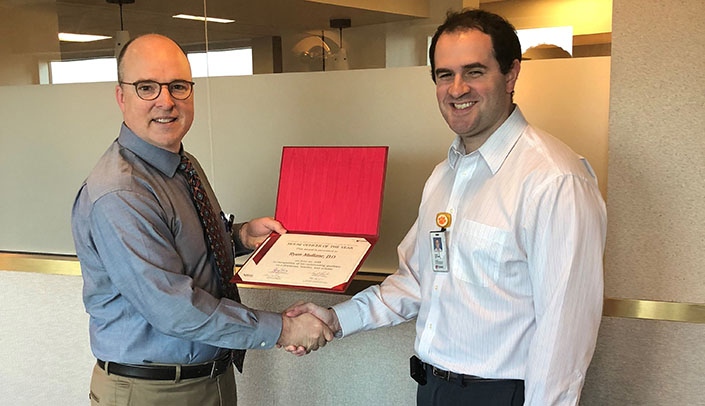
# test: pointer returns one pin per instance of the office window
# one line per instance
(83, 71)
(234, 62)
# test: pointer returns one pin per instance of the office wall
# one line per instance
(45, 357)
(53, 135)
(656, 213)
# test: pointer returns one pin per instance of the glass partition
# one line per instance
(242, 122)
(271, 36)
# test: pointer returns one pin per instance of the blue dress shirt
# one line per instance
(150, 284)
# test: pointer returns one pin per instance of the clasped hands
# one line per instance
(307, 327)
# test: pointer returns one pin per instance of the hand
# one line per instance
(305, 333)
(256, 230)
(328, 316)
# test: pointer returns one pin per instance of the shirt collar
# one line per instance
(497, 147)
(165, 161)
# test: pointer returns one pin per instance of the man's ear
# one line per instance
(120, 97)
(512, 76)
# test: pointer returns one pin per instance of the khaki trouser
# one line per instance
(115, 390)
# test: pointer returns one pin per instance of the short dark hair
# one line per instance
(505, 42)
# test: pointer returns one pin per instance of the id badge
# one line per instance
(439, 251)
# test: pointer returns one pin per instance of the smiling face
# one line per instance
(164, 121)
(474, 96)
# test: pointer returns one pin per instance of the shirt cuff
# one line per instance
(269, 328)
(348, 318)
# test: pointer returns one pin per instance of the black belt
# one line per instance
(460, 378)
(451, 376)
(168, 372)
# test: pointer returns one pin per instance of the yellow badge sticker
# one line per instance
(443, 220)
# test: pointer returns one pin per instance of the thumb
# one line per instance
(296, 309)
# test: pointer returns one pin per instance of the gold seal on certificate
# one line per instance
(443, 219)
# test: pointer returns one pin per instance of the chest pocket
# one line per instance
(476, 253)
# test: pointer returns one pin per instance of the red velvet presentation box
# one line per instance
(326, 194)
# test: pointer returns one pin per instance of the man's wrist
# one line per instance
(335, 325)
(238, 241)
(242, 229)
(285, 328)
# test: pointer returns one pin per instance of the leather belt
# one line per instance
(460, 378)
(168, 372)
(452, 376)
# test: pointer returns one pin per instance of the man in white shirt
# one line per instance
(508, 312)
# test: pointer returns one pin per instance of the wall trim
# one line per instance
(613, 307)
(53, 264)
(654, 310)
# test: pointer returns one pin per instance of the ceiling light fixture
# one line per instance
(340, 58)
(200, 18)
(70, 37)
(122, 36)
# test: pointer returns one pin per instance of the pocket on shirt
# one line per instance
(477, 252)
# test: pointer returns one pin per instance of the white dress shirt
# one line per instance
(523, 295)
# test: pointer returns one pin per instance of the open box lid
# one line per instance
(332, 190)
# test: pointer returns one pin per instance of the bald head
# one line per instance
(138, 44)
(164, 120)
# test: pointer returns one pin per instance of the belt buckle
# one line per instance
(445, 375)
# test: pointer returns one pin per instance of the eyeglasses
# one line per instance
(150, 89)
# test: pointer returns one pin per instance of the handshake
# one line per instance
(307, 327)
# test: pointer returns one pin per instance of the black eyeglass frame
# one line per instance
(168, 86)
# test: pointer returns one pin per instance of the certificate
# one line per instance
(305, 260)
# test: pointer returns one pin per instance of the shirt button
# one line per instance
(263, 344)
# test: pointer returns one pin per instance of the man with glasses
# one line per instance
(165, 324)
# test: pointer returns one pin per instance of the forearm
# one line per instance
(393, 302)
(568, 294)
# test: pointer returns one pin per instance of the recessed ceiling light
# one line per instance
(200, 18)
(69, 37)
